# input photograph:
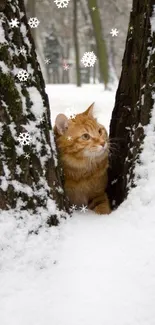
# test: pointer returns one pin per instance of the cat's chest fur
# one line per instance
(82, 186)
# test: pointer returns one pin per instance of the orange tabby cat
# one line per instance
(83, 146)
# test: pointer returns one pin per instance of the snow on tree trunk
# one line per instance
(134, 100)
(29, 174)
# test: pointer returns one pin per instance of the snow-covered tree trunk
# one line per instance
(29, 174)
(134, 100)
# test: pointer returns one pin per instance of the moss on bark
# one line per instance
(13, 118)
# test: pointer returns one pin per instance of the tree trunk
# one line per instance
(26, 182)
(100, 43)
(2, 4)
(76, 44)
(134, 100)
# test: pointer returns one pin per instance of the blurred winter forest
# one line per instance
(65, 34)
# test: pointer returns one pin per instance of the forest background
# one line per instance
(65, 34)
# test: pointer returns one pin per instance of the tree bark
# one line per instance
(26, 183)
(76, 44)
(2, 4)
(134, 101)
(100, 43)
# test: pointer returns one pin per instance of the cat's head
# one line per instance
(81, 136)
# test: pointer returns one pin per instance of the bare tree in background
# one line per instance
(100, 42)
(112, 13)
(76, 44)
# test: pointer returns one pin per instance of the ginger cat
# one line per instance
(83, 145)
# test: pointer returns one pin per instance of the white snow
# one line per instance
(4, 67)
(52, 141)
(2, 35)
(4, 183)
(37, 107)
(152, 20)
(64, 97)
(24, 31)
(90, 269)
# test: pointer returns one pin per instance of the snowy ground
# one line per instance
(91, 270)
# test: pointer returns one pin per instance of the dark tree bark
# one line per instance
(2, 4)
(76, 44)
(134, 101)
(25, 183)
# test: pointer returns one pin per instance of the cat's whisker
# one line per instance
(117, 139)
(113, 145)
(113, 141)
(113, 150)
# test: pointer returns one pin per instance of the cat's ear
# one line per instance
(89, 110)
(61, 123)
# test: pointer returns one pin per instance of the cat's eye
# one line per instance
(85, 136)
(100, 131)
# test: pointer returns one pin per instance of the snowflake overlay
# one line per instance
(40, 119)
(22, 75)
(47, 61)
(70, 112)
(83, 208)
(24, 139)
(114, 32)
(27, 156)
(22, 50)
(73, 208)
(14, 22)
(33, 22)
(66, 66)
(89, 59)
(69, 138)
(62, 3)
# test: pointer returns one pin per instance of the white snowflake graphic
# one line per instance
(73, 207)
(14, 22)
(83, 208)
(114, 32)
(22, 75)
(22, 50)
(66, 66)
(62, 3)
(47, 61)
(33, 22)
(89, 59)
(69, 138)
(70, 112)
(27, 156)
(24, 139)
(40, 119)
